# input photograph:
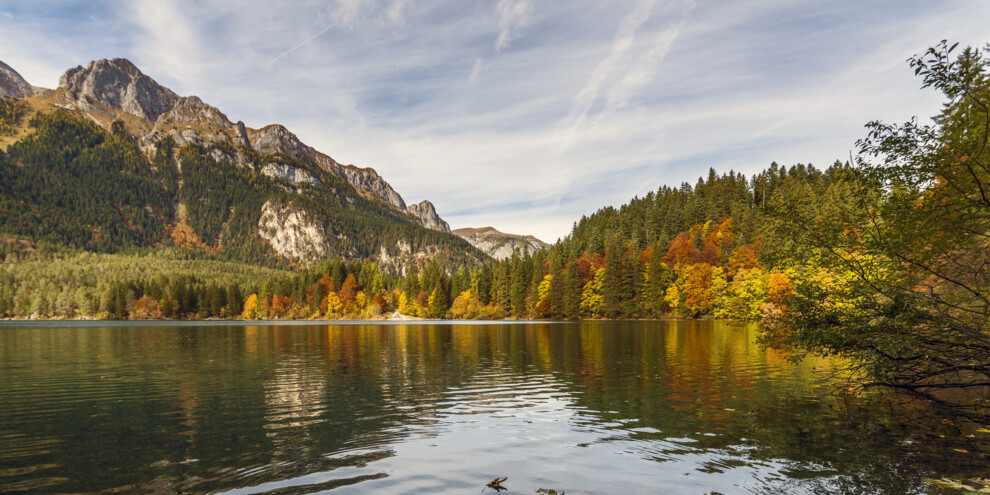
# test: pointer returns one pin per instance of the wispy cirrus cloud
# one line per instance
(512, 16)
(475, 71)
(170, 39)
(522, 114)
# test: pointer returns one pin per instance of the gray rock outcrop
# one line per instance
(366, 178)
(497, 244)
(12, 84)
(426, 214)
(291, 232)
(118, 84)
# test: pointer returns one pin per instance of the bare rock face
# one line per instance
(276, 138)
(497, 244)
(368, 179)
(426, 214)
(118, 84)
(12, 84)
(192, 110)
(291, 232)
(286, 172)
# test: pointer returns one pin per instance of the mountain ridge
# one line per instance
(120, 85)
(119, 98)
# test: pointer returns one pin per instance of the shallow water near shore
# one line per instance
(592, 407)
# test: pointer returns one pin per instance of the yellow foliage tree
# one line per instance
(404, 306)
(333, 305)
(591, 296)
(673, 300)
(543, 296)
(466, 305)
(360, 303)
(250, 307)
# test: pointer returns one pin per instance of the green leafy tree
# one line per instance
(914, 235)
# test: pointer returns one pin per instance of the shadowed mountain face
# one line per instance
(497, 244)
(228, 184)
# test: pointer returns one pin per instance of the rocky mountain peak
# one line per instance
(119, 84)
(499, 245)
(276, 138)
(12, 84)
(191, 109)
(426, 214)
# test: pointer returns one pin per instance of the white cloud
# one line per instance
(395, 12)
(475, 71)
(169, 41)
(615, 61)
(512, 15)
(604, 100)
(347, 12)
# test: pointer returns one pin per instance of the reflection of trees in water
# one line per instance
(689, 380)
(260, 404)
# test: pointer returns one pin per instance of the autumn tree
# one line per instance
(348, 292)
(913, 230)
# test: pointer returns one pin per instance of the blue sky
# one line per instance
(523, 114)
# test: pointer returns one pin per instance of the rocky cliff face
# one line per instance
(277, 139)
(119, 85)
(369, 180)
(426, 214)
(291, 232)
(12, 84)
(497, 244)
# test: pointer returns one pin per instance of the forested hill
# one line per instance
(91, 170)
(716, 248)
(659, 217)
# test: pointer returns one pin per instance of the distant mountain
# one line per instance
(217, 184)
(497, 244)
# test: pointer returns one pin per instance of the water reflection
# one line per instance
(677, 407)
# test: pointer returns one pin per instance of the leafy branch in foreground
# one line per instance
(911, 243)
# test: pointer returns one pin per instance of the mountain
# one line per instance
(12, 84)
(118, 85)
(500, 245)
(171, 169)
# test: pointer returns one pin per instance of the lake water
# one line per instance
(597, 408)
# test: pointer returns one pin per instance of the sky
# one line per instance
(523, 114)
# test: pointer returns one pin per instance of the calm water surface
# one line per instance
(597, 408)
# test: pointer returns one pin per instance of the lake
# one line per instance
(592, 407)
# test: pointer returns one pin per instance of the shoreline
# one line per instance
(404, 319)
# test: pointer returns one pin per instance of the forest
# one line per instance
(882, 259)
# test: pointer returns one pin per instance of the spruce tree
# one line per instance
(612, 287)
